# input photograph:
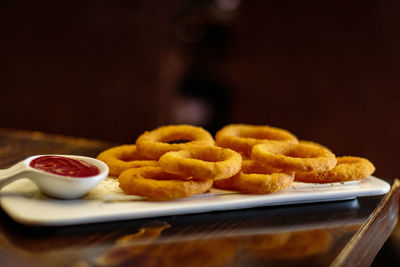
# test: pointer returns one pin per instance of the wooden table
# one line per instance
(340, 233)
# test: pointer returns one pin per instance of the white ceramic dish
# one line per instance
(25, 204)
(55, 185)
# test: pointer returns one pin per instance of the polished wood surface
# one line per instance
(342, 233)
(363, 247)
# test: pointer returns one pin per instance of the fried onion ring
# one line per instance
(251, 166)
(242, 137)
(154, 184)
(347, 169)
(157, 142)
(226, 184)
(202, 162)
(303, 156)
(256, 179)
(121, 158)
(255, 183)
(248, 166)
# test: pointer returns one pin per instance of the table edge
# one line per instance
(369, 239)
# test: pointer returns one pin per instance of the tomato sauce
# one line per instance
(64, 166)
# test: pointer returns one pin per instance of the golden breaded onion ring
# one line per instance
(202, 162)
(303, 156)
(121, 158)
(226, 184)
(347, 169)
(155, 143)
(248, 166)
(242, 137)
(154, 184)
(255, 183)
(251, 166)
(256, 179)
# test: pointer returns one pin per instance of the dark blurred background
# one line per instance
(327, 71)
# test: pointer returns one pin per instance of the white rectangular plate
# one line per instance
(25, 204)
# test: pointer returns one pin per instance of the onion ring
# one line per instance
(251, 166)
(248, 166)
(202, 162)
(256, 183)
(121, 158)
(226, 184)
(347, 169)
(155, 143)
(242, 137)
(256, 179)
(154, 184)
(303, 156)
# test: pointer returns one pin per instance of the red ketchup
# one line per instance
(64, 166)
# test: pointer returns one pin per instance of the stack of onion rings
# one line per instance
(140, 172)
(242, 137)
(121, 158)
(245, 158)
